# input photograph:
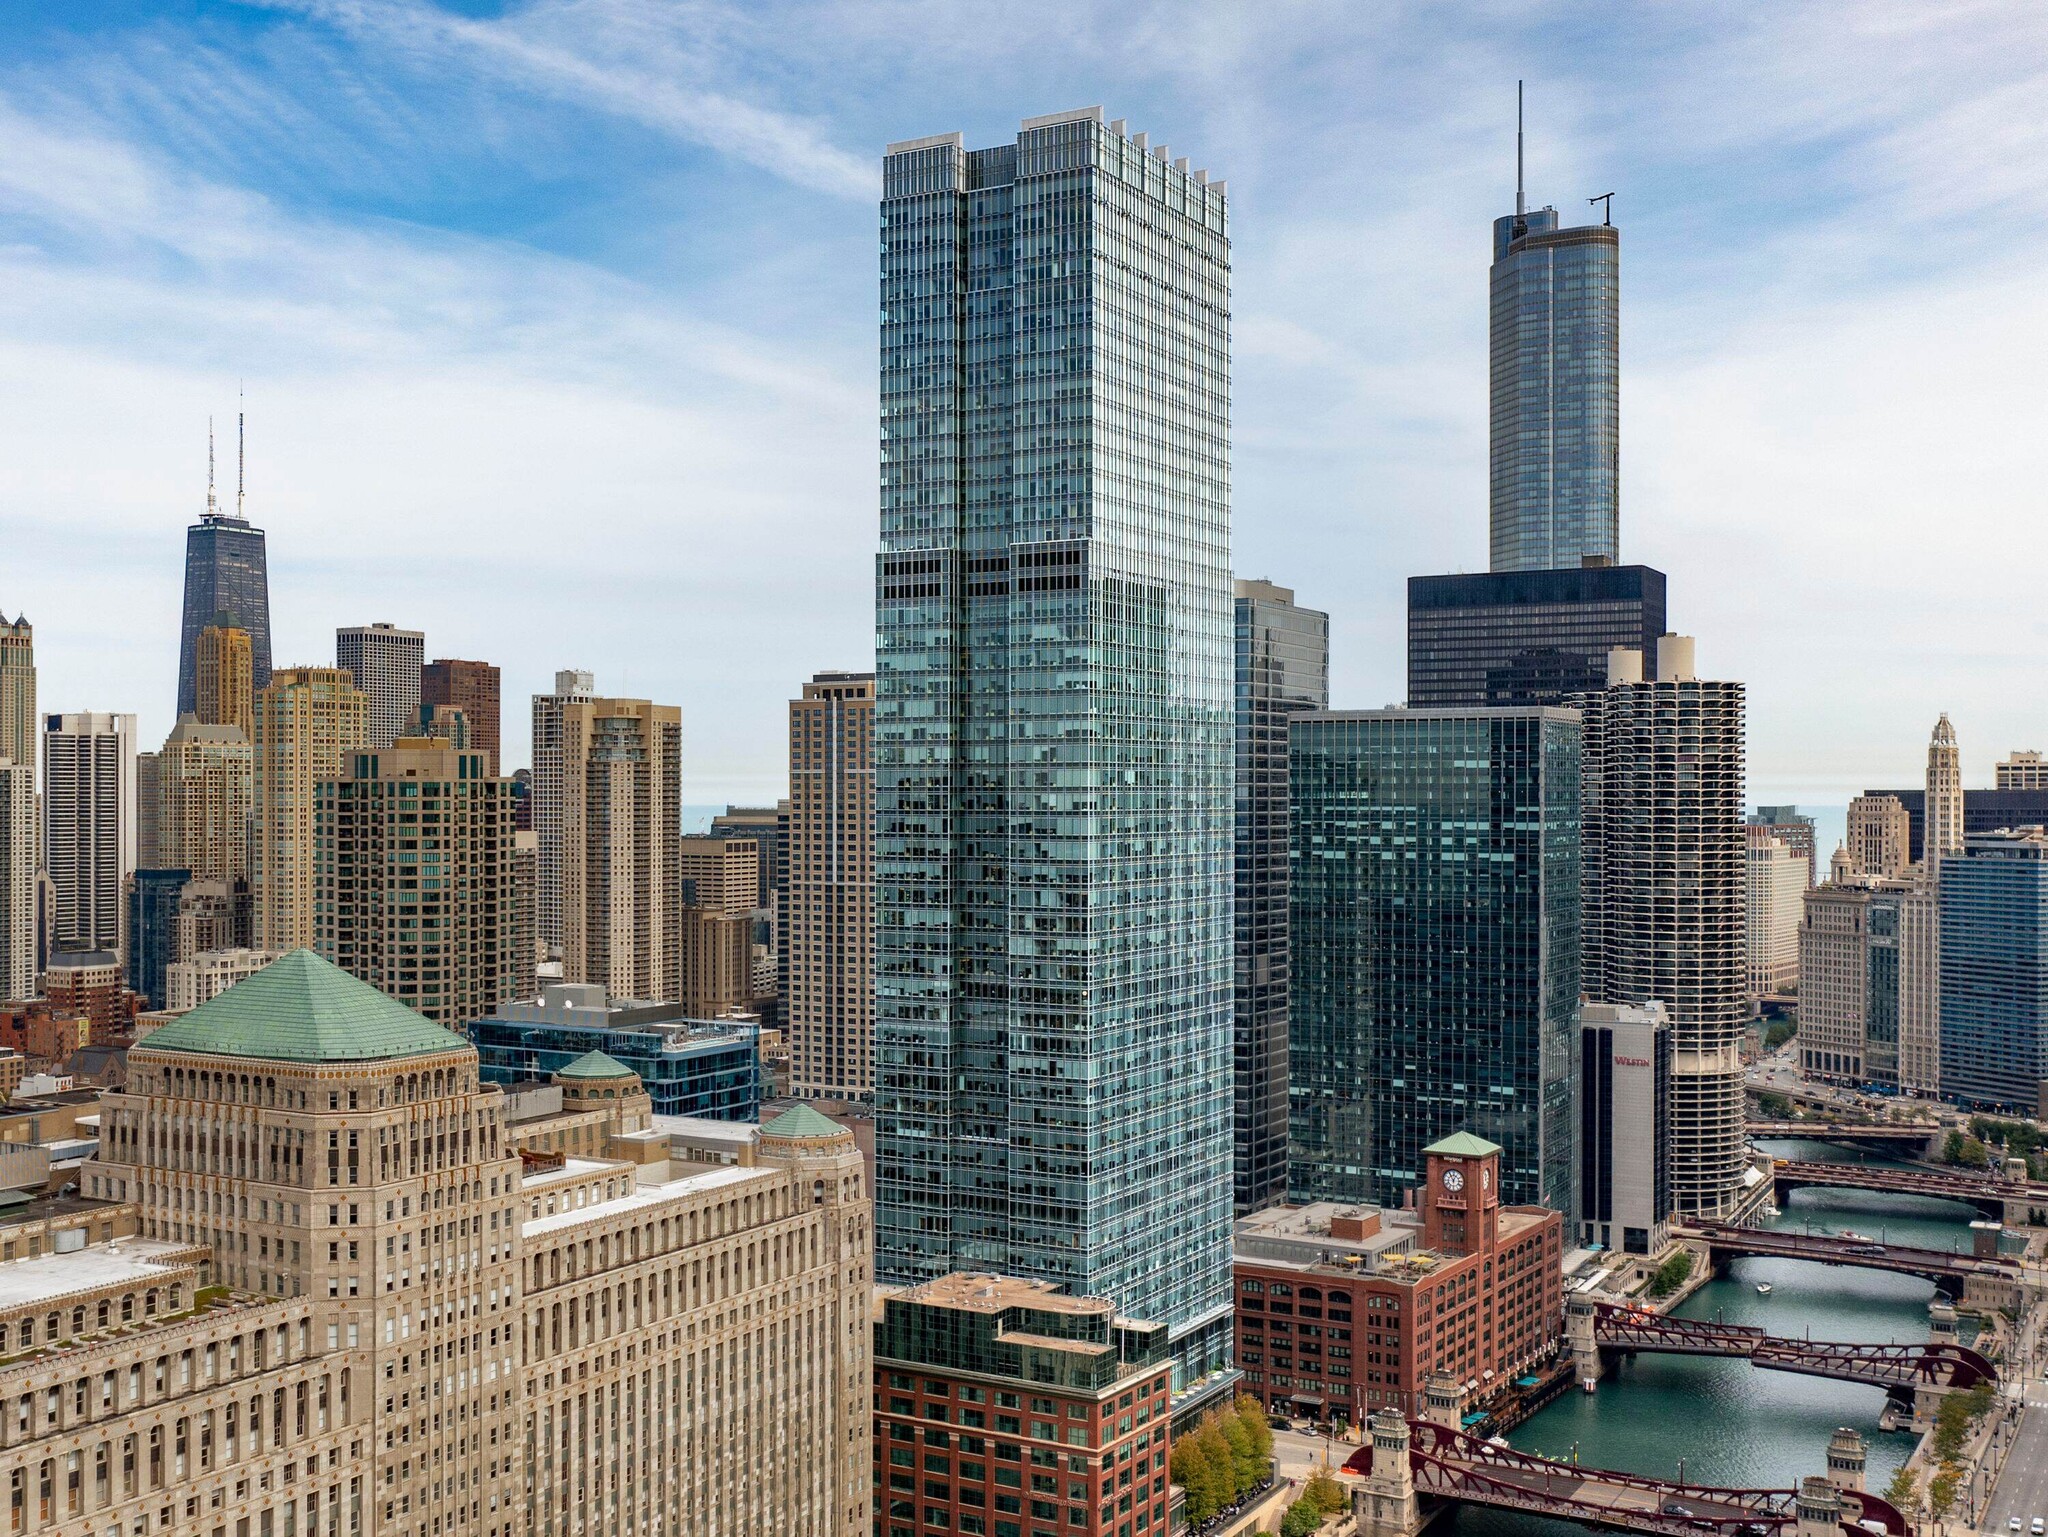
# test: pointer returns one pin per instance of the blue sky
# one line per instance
(556, 323)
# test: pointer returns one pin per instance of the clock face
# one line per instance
(1485, 1176)
(1454, 1180)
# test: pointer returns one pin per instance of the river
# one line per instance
(1731, 1423)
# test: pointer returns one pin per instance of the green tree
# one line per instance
(1952, 1147)
(1941, 1494)
(1247, 1472)
(1672, 1274)
(1202, 1476)
(1302, 1518)
(1253, 1414)
(1327, 1494)
(1975, 1154)
(1774, 1106)
(1903, 1492)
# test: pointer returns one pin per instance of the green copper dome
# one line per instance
(802, 1121)
(304, 1009)
(1462, 1144)
(595, 1064)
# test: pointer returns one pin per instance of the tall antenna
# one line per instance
(1519, 209)
(212, 506)
(241, 451)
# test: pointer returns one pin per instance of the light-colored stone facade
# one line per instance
(209, 973)
(829, 900)
(1941, 832)
(1775, 887)
(1880, 836)
(305, 721)
(620, 823)
(225, 693)
(204, 782)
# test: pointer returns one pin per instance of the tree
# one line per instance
(1941, 1494)
(1247, 1472)
(1774, 1106)
(1253, 1414)
(1327, 1494)
(1302, 1518)
(1903, 1492)
(1202, 1475)
(1672, 1274)
(1952, 1147)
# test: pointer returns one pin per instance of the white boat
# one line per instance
(1763, 1288)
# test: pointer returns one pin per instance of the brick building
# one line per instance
(42, 1031)
(1343, 1310)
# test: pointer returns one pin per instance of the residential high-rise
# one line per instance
(148, 780)
(828, 919)
(1879, 836)
(765, 825)
(1994, 970)
(1555, 398)
(1282, 668)
(1664, 894)
(17, 880)
(718, 880)
(19, 723)
(471, 687)
(1862, 960)
(225, 694)
(227, 583)
(305, 721)
(89, 825)
(1775, 888)
(1920, 989)
(1944, 831)
(1436, 932)
(151, 938)
(525, 893)
(2026, 769)
(205, 788)
(385, 663)
(619, 825)
(1053, 723)
(1525, 637)
(1791, 828)
(548, 799)
(413, 890)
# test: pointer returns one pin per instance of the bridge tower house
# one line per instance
(1386, 1504)
(1579, 1335)
(1846, 1453)
(1941, 1323)
(1443, 1401)
(1819, 1507)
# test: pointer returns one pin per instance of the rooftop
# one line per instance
(987, 1293)
(638, 1198)
(1462, 1144)
(595, 1064)
(801, 1122)
(32, 1282)
(304, 1009)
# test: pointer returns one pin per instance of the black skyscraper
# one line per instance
(227, 582)
(1525, 637)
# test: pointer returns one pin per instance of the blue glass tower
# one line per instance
(153, 931)
(227, 581)
(1053, 723)
(1435, 948)
(1994, 970)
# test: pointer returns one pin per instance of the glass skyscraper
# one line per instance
(1525, 637)
(227, 582)
(1053, 723)
(1283, 667)
(1436, 931)
(1555, 417)
(1994, 970)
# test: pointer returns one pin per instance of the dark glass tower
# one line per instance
(1994, 970)
(1053, 724)
(1526, 637)
(227, 581)
(1436, 933)
(1283, 668)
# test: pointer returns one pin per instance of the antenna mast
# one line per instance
(241, 452)
(212, 506)
(1519, 209)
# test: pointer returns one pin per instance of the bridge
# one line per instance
(1901, 1369)
(1994, 1198)
(1985, 1282)
(1918, 1138)
(1413, 1469)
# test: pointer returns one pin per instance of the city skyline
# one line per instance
(449, 419)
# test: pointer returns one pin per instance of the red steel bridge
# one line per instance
(1989, 1196)
(1937, 1265)
(1450, 1466)
(1902, 1367)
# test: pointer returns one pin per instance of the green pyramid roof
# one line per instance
(304, 1009)
(1462, 1144)
(802, 1121)
(595, 1064)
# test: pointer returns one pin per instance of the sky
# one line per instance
(554, 323)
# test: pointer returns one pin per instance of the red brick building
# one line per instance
(1005, 1408)
(41, 1031)
(1341, 1311)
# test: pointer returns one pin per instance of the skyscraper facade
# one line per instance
(620, 826)
(89, 825)
(2026, 769)
(1943, 831)
(471, 687)
(1994, 970)
(19, 723)
(385, 663)
(227, 583)
(829, 916)
(1775, 887)
(205, 790)
(1555, 400)
(548, 797)
(1664, 894)
(306, 720)
(1879, 836)
(17, 880)
(1436, 932)
(1525, 637)
(1053, 723)
(152, 931)
(1789, 826)
(1857, 973)
(719, 881)
(226, 693)
(148, 781)
(1282, 668)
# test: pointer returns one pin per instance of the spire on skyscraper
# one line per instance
(241, 452)
(212, 507)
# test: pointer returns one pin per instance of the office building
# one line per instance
(828, 922)
(472, 688)
(1943, 830)
(19, 723)
(1994, 970)
(227, 585)
(88, 985)
(619, 823)
(577, 1323)
(1880, 836)
(1790, 828)
(413, 877)
(719, 879)
(1919, 909)
(1053, 1090)
(1665, 869)
(766, 826)
(147, 781)
(205, 790)
(548, 799)
(152, 934)
(1436, 933)
(1851, 999)
(2024, 770)
(306, 722)
(205, 974)
(1525, 637)
(1984, 811)
(1554, 403)
(385, 663)
(1624, 1127)
(688, 1066)
(225, 694)
(88, 825)
(17, 880)
(1775, 888)
(1282, 668)
(1342, 1310)
(1028, 1368)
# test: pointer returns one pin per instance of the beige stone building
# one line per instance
(1869, 972)
(828, 909)
(305, 721)
(1880, 838)
(413, 890)
(20, 726)
(204, 976)
(2024, 770)
(1941, 832)
(720, 885)
(332, 1292)
(225, 693)
(205, 780)
(1774, 891)
(620, 812)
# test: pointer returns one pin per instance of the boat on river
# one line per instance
(1763, 1288)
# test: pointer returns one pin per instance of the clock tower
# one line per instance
(1461, 1194)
